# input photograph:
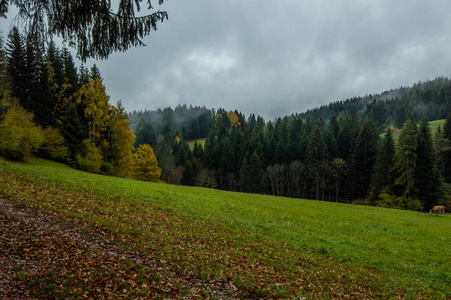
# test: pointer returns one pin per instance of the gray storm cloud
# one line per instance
(277, 58)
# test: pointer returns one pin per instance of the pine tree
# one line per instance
(73, 130)
(382, 175)
(251, 174)
(347, 137)
(4, 80)
(189, 173)
(95, 72)
(338, 169)
(145, 134)
(38, 97)
(332, 138)
(405, 159)
(70, 71)
(427, 177)
(211, 155)
(225, 169)
(363, 158)
(165, 158)
(83, 77)
(443, 153)
(198, 151)
(17, 64)
(92, 26)
(57, 64)
(317, 160)
(447, 127)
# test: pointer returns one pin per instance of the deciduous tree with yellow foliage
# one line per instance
(95, 101)
(145, 165)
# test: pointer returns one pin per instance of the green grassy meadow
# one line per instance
(200, 141)
(267, 246)
(435, 124)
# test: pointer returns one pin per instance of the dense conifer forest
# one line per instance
(350, 151)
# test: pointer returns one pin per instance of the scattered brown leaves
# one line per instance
(46, 255)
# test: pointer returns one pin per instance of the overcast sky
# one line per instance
(275, 58)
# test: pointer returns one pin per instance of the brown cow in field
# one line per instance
(438, 209)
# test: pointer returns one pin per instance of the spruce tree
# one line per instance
(332, 137)
(347, 136)
(95, 72)
(211, 155)
(447, 127)
(406, 158)
(17, 65)
(165, 159)
(4, 84)
(38, 98)
(94, 27)
(57, 64)
(427, 177)
(70, 71)
(317, 159)
(442, 147)
(83, 75)
(382, 175)
(363, 158)
(74, 131)
(251, 174)
(188, 174)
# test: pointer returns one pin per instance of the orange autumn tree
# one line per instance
(145, 166)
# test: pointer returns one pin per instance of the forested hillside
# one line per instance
(430, 99)
(51, 108)
(335, 152)
(346, 151)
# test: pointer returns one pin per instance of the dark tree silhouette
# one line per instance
(91, 25)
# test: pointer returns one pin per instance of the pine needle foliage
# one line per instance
(92, 26)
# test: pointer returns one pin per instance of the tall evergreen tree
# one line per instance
(92, 26)
(317, 160)
(84, 75)
(70, 71)
(347, 136)
(74, 131)
(443, 153)
(38, 97)
(17, 65)
(332, 138)
(427, 177)
(405, 159)
(57, 64)
(363, 158)
(382, 175)
(225, 170)
(251, 174)
(165, 159)
(4, 78)
(95, 72)
(447, 127)
(211, 156)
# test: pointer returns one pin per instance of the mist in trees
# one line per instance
(346, 159)
(369, 150)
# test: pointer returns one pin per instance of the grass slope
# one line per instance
(260, 245)
(433, 125)
(200, 141)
